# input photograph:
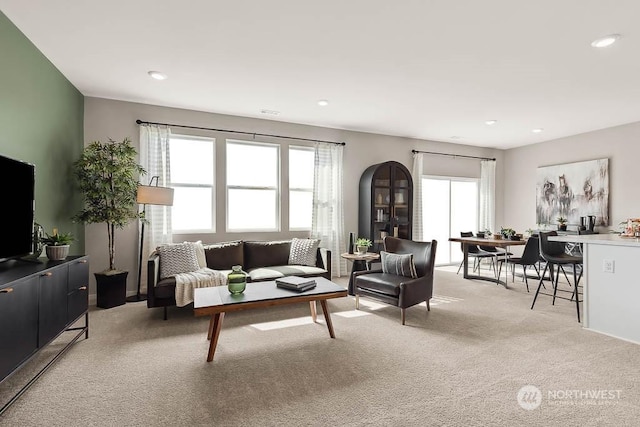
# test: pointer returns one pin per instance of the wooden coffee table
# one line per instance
(216, 301)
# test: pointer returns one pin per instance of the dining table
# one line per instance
(493, 242)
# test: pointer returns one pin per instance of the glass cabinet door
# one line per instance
(382, 205)
(401, 203)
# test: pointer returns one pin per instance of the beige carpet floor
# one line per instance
(462, 364)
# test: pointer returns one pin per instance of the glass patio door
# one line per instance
(450, 205)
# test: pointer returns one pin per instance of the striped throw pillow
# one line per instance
(400, 265)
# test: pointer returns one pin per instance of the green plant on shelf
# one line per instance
(57, 239)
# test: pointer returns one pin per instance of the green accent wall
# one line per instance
(41, 122)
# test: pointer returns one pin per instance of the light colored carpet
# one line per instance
(462, 364)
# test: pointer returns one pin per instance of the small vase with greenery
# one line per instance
(507, 233)
(362, 245)
(57, 245)
(562, 223)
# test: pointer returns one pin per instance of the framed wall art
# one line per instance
(572, 190)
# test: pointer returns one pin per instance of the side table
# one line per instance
(360, 263)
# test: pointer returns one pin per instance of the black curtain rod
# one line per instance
(453, 155)
(140, 122)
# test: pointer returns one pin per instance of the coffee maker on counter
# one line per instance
(588, 223)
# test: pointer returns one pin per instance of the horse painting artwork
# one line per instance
(573, 190)
(565, 196)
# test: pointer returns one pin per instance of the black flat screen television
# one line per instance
(18, 179)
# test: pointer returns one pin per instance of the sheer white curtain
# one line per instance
(486, 216)
(154, 158)
(327, 221)
(417, 172)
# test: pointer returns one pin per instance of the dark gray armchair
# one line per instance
(397, 290)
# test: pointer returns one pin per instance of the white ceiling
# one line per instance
(429, 69)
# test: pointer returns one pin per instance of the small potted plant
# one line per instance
(507, 233)
(362, 245)
(562, 223)
(57, 247)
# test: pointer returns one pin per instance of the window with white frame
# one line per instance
(301, 164)
(253, 175)
(192, 168)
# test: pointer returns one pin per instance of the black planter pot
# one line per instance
(562, 227)
(111, 289)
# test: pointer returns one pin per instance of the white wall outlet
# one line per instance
(608, 265)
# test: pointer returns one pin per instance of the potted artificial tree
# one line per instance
(107, 175)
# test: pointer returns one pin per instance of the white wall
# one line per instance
(116, 119)
(619, 144)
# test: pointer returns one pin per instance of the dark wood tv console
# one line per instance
(38, 302)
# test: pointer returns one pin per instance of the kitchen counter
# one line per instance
(601, 239)
(611, 297)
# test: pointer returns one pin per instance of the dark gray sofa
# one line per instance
(262, 261)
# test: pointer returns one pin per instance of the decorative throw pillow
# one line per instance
(177, 258)
(303, 251)
(400, 265)
(202, 260)
(224, 255)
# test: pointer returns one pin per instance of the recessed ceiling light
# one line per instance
(270, 112)
(157, 75)
(491, 122)
(323, 103)
(605, 41)
(455, 137)
(538, 130)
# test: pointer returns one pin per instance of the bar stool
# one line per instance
(553, 253)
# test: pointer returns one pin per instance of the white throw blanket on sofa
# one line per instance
(203, 278)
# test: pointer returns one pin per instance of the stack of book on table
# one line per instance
(296, 283)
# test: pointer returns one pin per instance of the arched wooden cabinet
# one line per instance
(386, 203)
